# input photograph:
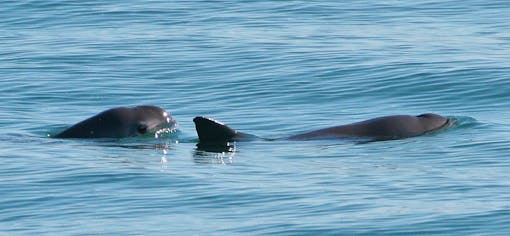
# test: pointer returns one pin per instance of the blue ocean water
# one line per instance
(271, 68)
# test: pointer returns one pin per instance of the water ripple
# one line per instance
(272, 68)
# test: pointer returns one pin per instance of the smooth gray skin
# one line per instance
(382, 128)
(120, 122)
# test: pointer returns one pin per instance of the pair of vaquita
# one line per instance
(124, 122)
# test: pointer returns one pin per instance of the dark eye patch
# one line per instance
(141, 129)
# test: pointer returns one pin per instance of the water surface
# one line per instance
(271, 68)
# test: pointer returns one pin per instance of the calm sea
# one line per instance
(271, 68)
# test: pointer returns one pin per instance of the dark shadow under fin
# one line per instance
(212, 131)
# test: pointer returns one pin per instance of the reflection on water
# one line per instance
(217, 147)
(272, 68)
(214, 153)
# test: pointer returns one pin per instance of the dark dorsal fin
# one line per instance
(210, 130)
